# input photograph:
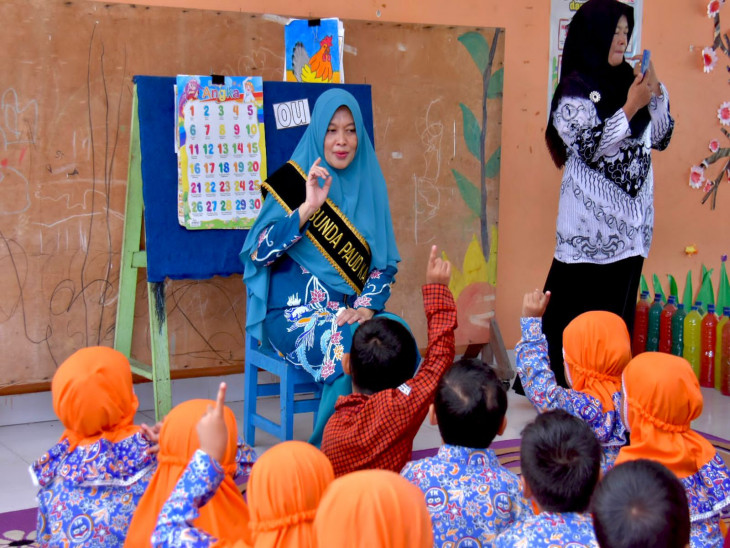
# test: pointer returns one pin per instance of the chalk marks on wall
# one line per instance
(427, 196)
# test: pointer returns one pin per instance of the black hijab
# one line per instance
(585, 69)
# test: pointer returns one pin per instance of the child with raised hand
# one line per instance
(469, 408)
(560, 460)
(640, 503)
(596, 348)
(661, 399)
(285, 487)
(375, 426)
(225, 516)
(91, 480)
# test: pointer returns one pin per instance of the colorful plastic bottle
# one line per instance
(718, 347)
(652, 332)
(691, 352)
(678, 330)
(665, 326)
(725, 385)
(641, 323)
(709, 339)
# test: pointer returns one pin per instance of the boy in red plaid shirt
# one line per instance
(374, 427)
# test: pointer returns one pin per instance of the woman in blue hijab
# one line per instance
(322, 255)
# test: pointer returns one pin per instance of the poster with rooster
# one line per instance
(313, 51)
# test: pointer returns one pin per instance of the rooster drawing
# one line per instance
(316, 69)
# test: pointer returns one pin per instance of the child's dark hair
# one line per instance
(384, 355)
(560, 459)
(470, 404)
(641, 503)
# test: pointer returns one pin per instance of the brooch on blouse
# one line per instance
(594, 96)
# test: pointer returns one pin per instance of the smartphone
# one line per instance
(645, 62)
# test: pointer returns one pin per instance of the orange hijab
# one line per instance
(93, 396)
(225, 516)
(286, 485)
(596, 349)
(373, 508)
(661, 399)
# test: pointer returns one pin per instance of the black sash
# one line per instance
(329, 229)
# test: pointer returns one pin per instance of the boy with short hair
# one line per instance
(469, 494)
(560, 460)
(641, 503)
(374, 427)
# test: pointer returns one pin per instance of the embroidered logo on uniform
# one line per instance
(405, 389)
(594, 96)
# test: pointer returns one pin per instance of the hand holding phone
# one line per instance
(645, 59)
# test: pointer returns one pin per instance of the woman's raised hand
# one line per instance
(316, 195)
(638, 96)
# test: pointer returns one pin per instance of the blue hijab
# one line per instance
(359, 191)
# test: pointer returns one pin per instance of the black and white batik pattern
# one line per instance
(606, 210)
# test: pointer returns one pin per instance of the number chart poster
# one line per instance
(221, 151)
(561, 13)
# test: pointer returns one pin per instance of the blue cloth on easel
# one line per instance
(173, 251)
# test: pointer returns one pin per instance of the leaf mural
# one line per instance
(496, 84)
(492, 167)
(475, 138)
(469, 192)
(477, 47)
(472, 131)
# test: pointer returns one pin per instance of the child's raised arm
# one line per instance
(212, 431)
(438, 271)
(535, 303)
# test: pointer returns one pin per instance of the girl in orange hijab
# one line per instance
(596, 348)
(91, 480)
(661, 399)
(225, 516)
(373, 508)
(284, 490)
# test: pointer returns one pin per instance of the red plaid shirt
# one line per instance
(377, 431)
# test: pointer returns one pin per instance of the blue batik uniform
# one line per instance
(87, 496)
(550, 529)
(533, 367)
(471, 497)
(301, 313)
(194, 489)
(708, 494)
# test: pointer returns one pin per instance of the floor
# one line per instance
(21, 444)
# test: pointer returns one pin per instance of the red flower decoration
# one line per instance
(696, 177)
(723, 113)
(714, 145)
(709, 59)
(713, 8)
(708, 186)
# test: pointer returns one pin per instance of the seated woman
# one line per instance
(322, 255)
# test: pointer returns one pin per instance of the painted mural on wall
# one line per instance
(474, 284)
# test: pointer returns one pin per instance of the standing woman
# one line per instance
(604, 120)
(322, 255)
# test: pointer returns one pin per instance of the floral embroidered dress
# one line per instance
(471, 497)
(538, 380)
(87, 497)
(550, 529)
(301, 317)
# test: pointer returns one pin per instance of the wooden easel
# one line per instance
(134, 258)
